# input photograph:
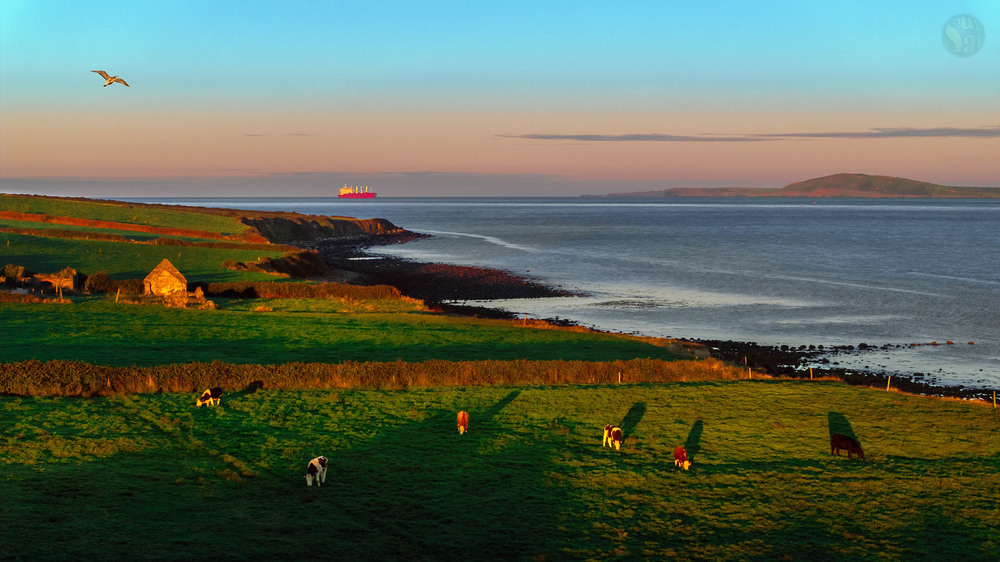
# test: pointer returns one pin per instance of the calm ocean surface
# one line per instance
(784, 272)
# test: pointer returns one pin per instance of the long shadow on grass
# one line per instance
(693, 442)
(632, 418)
(838, 424)
(424, 492)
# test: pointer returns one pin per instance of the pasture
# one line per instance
(122, 212)
(122, 260)
(150, 476)
(100, 331)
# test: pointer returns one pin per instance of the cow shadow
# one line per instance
(693, 442)
(838, 423)
(494, 410)
(632, 418)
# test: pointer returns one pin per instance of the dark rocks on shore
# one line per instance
(430, 282)
(794, 362)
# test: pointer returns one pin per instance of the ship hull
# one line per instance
(367, 195)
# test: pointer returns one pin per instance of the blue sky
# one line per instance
(807, 64)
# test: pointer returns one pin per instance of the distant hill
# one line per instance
(837, 185)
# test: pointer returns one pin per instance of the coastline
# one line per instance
(436, 284)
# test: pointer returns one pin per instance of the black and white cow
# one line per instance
(316, 470)
(612, 436)
(211, 397)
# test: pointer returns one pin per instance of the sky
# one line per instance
(514, 98)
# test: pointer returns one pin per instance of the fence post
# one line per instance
(887, 382)
(810, 373)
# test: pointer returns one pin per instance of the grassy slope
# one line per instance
(118, 211)
(133, 235)
(102, 332)
(153, 477)
(125, 260)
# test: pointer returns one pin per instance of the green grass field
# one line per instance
(100, 331)
(125, 260)
(153, 477)
(133, 235)
(118, 211)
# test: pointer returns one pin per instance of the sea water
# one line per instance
(831, 272)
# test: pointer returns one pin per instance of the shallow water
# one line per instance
(790, 271)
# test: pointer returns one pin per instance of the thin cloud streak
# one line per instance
(876, 133)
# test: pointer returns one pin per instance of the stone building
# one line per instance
(69, 279)
(164, 280)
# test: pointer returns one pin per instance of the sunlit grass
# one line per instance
(530, 479)
(126, 260)
(118, 211)
(100, 331)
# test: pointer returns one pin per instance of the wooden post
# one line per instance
(994, 400)
(619, 377)
(888, 382)
(118, 294)
(810, 373)
(749, 373)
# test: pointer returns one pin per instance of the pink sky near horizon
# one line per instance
(228, 145)
(477, 98)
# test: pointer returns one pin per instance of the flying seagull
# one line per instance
(110, 79)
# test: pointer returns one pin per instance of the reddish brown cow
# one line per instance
(681, 458)
(849, 444)
(463, 422)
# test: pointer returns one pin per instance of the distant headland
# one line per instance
(836, 185)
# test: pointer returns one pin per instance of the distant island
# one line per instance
(836, 185)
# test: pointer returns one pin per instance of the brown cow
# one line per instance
(463, 422)
(681, 458)
(849, 444)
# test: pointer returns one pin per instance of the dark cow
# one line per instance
(612, 436)
(681, 458)
(463, 422)
(211, 397)
(316, 470)
(849, 444)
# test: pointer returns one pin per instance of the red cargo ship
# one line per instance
(356, 192)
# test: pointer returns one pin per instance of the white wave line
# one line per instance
(954, 278)
(490, 239)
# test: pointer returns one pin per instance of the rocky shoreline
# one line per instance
(437, 283)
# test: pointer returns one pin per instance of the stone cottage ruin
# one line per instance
(164, 280)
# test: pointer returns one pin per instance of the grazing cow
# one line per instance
(681, 458)
(316, 470)
(211, 397)
(612, 436)
(463, 422)
(849, 444)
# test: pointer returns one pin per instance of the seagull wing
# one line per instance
(122, 81)
(102, 73)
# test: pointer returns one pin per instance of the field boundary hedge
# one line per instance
(75, 378)
(279, 290)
